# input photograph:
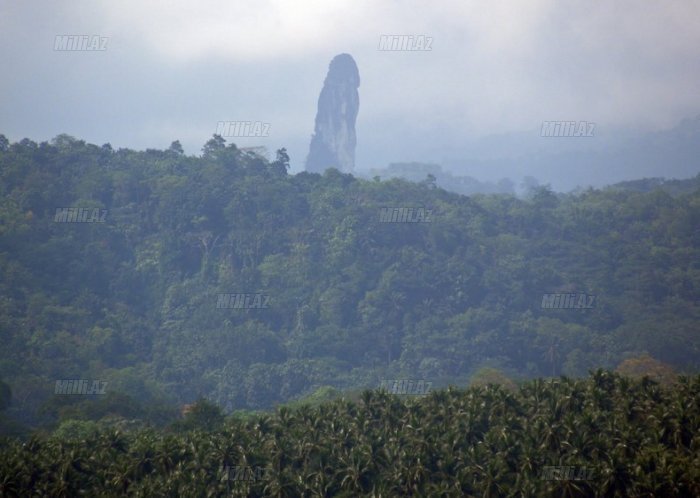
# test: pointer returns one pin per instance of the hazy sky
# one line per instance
(171, 70)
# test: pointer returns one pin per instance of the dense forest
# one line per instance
(602, 436)
(170, 278)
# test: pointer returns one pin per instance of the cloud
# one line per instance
(242, 30)
(495, 67)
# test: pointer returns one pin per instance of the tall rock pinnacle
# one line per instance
(333, 142)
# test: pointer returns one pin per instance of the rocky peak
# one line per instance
(334, 140)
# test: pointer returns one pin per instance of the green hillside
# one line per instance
(224, 277)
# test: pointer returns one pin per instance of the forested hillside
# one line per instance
(224, 277)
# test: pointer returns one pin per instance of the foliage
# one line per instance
(631, 437)
(492, 376)
(350, 299)
(202, 415)
(80, 430)
(645, 365)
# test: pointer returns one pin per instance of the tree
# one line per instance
(487, 375)
(75, 430)
(214, 146)
(430, 181)
(281, 163)
(646, 366)
(176, 147)
(203, 414)
(65, 141)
